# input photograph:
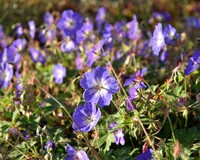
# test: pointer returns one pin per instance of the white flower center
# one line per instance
(69, 23)
(159, 39)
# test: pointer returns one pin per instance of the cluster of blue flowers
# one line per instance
(78, 35)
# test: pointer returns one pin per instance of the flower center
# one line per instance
(139, 78)
(60, 73)
(90, 119)
(75, 157)
(69, 23)
(98, 87)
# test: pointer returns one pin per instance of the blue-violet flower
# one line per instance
(86, 117)
(37, 56)
(6, 73)
(99, 86)
(118, 134)
(32, 29)
(158, 39)
(194, 63)
(70, 22)
(75, 155)
(59, 73)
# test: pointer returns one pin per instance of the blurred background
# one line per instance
(15, 11)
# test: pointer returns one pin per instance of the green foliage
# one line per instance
(188, 136)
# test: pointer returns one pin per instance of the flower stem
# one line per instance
(41, 143)
(120, 111)
(172, 130)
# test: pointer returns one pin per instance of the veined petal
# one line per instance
(105, 98)
(70, 150)
(130, 105)
(80, 119)
(89, 109)
(111, 85)
(128, 82)
(157, 40)
(91, 58)
(91, 95)
(191, 67)
(144, 70)
(82, 155)
(88, 82)
(100, 73)
(87, 128)
(86, 117)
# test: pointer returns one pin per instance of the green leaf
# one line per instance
(48, 109)
(180, 77)
(18, 150)
(14, 116)
(187, 137)
(197, 81)
(122, 153)
(109, 141)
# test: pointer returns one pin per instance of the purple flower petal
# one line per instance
(147, 155)
(157, 40)
(86, 117)
(128, 82)
(91, 95)
(32, 29)
(194, 63)
(130, 106)
(105, 98)
(88, 82)
(59, 73)
(99, 86)
(6, 73)
(70, 22)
